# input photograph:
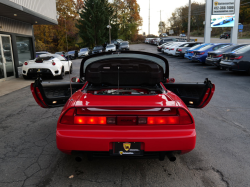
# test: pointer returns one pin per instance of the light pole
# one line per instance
(189, 20)
(109, 27)
(67, 50)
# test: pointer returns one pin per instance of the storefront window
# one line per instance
(24, 49)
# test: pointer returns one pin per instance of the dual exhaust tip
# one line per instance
(171, 157)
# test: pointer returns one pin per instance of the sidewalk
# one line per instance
(14, 84)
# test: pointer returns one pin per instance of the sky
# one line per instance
(166, 7)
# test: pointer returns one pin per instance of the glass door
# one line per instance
(6, 58)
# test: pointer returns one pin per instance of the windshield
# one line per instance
(123, 43)
(96, 48)
(110, 46)
(71, 52)
(83, 49)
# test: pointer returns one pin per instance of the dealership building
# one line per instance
(17, 42)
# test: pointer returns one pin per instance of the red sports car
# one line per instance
(123, 105)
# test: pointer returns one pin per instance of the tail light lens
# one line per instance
(179, 49)
(236, 58)
(191, 52)
(202, 53)
(68, 117)
(172, 49)
(181, 118)
(218, 56)
(161, 120)
(61, 55)
(53, 63)
(25, 63)
(90, 120)
(184, 117)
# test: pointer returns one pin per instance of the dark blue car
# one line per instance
(201, 54)
(190, 52)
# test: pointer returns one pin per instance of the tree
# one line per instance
(53, 37)
(128, 18)
(94, 18)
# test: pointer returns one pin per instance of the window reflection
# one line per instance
(24, 49)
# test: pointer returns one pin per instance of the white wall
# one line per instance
(44, 7)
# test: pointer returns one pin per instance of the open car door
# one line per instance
(53, 94)
(196, 95)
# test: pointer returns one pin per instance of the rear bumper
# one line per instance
(189, 57)
(200, 58)
(43, 71)
(213, 62)
(69, 140)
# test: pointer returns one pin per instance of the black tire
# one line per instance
(248, 71)
(62, 74)
(71, 69)
(26, 77)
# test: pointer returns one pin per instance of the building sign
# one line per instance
(223, 7)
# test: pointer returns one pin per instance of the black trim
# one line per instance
(82, 74)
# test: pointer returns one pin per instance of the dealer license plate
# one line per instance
(127, 149)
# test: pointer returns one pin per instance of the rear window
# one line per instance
(243, 49)
(41, 59)
(195, 47)
(206, 47)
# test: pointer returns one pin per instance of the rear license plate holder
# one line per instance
(127, 149)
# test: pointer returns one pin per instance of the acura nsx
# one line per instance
(124, 105)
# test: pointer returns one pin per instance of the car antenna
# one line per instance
(118, 78)
(68, 58)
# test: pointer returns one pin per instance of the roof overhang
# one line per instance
(17, 12)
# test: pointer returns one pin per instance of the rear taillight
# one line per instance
(90, 120)
(179, 49)
(172, 49)
(218, 56)
(61, 55)
(202, 53)
(68, 117)
(236, 58)
(191, 52)
(25, 63)
(163, 120)
(182, 117)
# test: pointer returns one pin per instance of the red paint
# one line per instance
(38, 98)
(173, 127)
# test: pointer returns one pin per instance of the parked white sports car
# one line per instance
(47, 65)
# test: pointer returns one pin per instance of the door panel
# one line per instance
(54, 94)
(194, 95)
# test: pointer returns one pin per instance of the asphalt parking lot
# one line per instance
(29, 156)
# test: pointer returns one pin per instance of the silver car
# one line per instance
(83, 52)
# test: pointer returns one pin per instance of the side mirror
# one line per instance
(75, 79)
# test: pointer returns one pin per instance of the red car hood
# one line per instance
(161, 100)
